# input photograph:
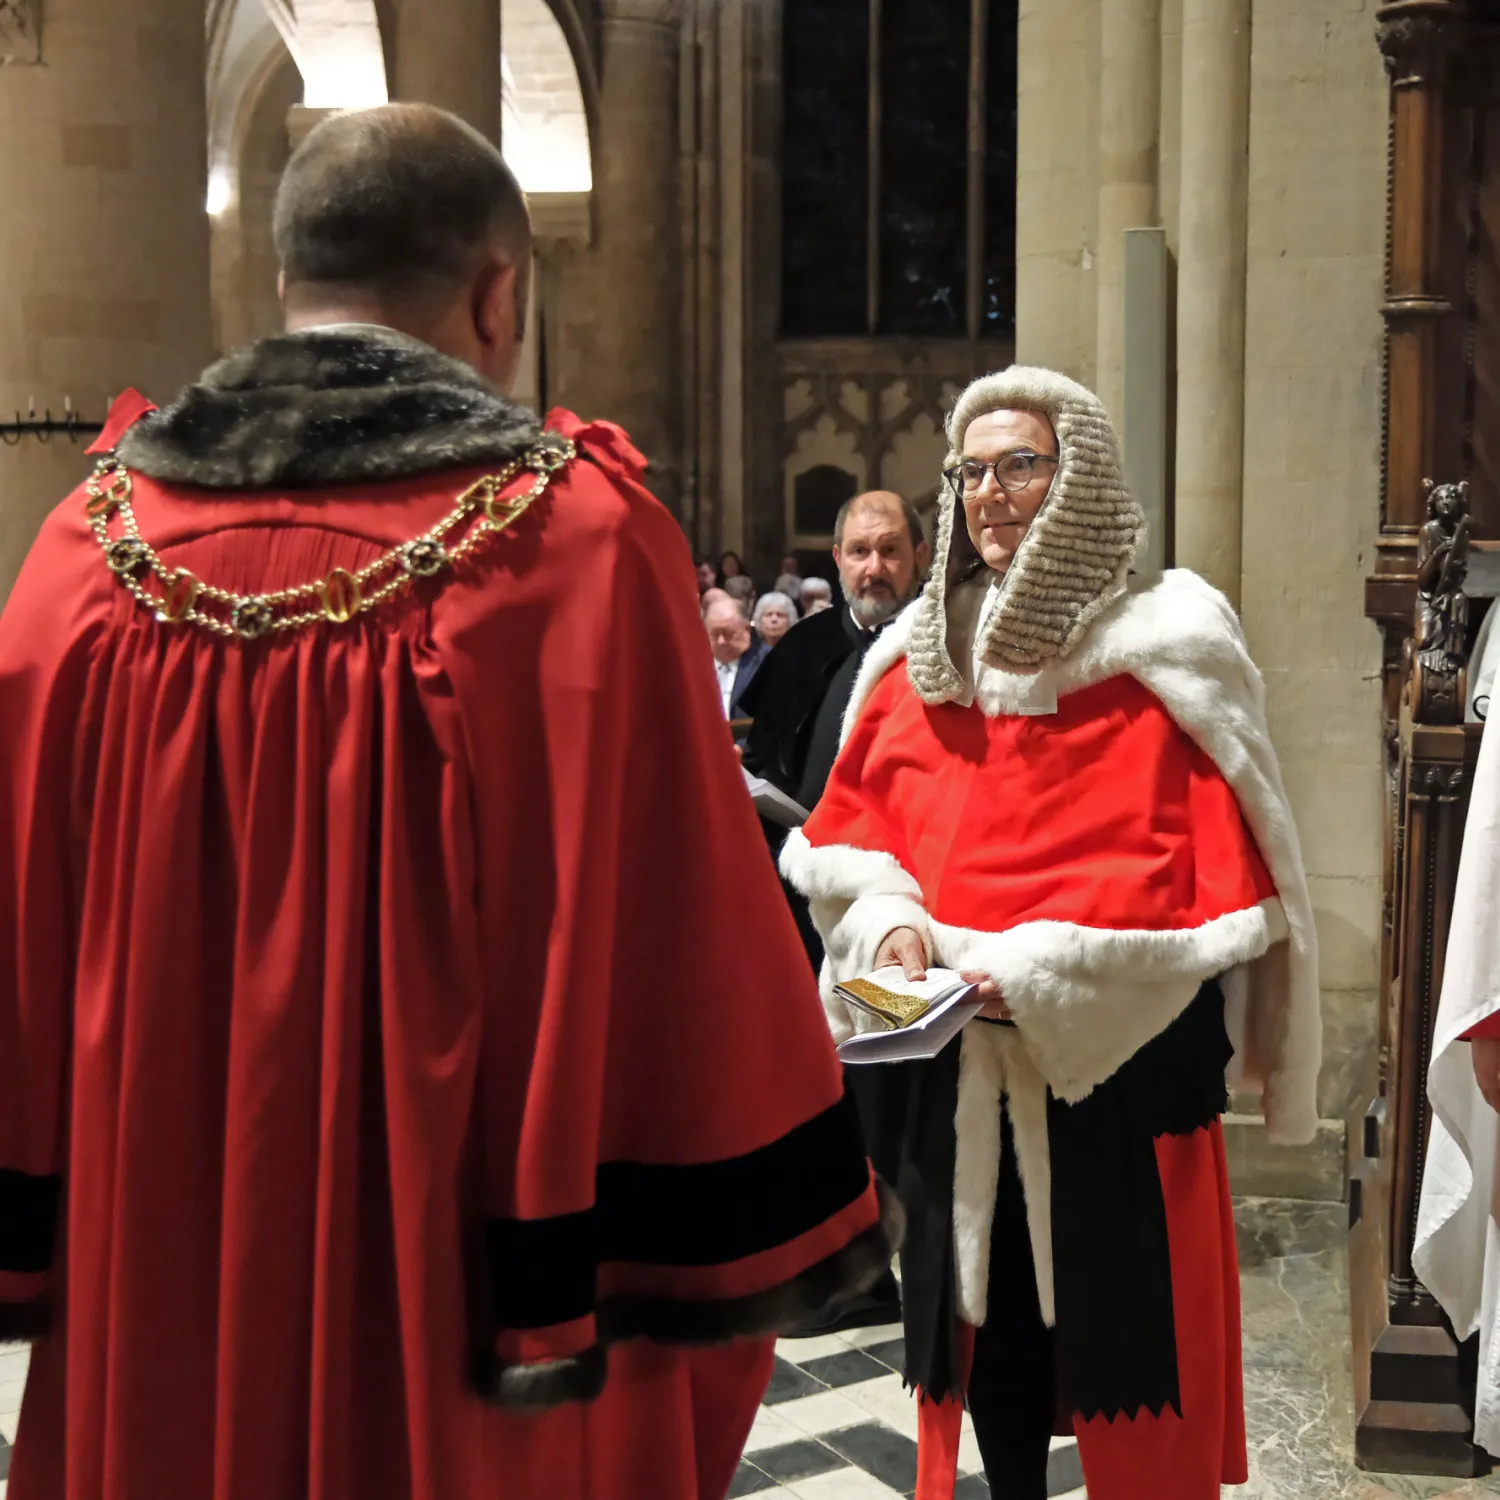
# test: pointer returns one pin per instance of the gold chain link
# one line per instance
(341, 596)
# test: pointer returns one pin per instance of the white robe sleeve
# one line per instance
(1457, 1253)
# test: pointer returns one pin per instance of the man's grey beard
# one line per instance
(870, 612)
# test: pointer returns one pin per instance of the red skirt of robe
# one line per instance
(1183, 1455)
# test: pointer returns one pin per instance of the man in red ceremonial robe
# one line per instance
(377, 1118)
(1056, 779)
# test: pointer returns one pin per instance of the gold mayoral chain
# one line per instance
(181, 598)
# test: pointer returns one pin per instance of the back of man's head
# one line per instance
(399, 212)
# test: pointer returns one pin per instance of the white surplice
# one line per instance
(1457, 1252)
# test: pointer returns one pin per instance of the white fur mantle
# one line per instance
(1086, 999)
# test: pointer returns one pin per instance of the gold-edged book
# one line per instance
(891, 1008)
(913, 1019)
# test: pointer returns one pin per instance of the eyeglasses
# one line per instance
(1012, 473)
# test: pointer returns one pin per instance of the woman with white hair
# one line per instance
(1056, 778)
(775, 614)
(817, 594)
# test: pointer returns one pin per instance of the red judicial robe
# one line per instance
(1096, 859)
(406, 1054)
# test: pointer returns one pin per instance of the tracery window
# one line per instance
(899, 168)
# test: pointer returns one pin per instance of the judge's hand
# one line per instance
(902, 946)
(995, 1008)
(1486, 1059)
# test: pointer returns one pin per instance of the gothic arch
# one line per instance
(546, 133)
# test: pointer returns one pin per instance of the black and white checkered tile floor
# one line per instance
(836, 1425)
(13, 1362)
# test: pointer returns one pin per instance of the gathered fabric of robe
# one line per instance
(378, 1117)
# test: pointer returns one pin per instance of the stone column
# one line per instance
(613, 311)
(1129, 124)
(1211, 288)
(1057, 193)
(103, 233)
(448, 53)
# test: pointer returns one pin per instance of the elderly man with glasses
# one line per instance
(1056, 779)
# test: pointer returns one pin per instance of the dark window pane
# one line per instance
(817, 496)
(924, 166)
(999, 320)
(825, 172)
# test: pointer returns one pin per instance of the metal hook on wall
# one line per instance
(46, 427)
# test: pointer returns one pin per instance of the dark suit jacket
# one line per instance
(786, 696)
(745, 674)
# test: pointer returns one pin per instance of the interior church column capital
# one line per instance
(663, 13)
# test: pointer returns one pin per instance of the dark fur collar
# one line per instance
(327, 406)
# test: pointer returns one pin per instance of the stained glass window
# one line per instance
(900, 95)
(825, 177)
(999, 309)
(924, 127)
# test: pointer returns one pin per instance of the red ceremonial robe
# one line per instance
(1097, 862)
(373, 1070)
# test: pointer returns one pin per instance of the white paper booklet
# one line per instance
(914, 1018)
(773, 803)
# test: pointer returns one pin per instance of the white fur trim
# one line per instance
(1180, 638)
(1087, 999)
(995, 1065)
(1026, 1100)
(841, 871)
(976, 1165)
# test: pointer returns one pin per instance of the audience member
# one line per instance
(789, 580)
(774, 615)
(712, 596)
(737, 651)
(707, 576)
(817, 595)
(731, 565)
(741, 588)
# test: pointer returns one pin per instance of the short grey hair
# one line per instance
(816, 588)
(909, 513)
(403, 200)
(775, 601)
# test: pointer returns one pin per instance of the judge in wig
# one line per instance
(1056, 777)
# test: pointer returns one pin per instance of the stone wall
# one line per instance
(1057, 185)
(1312, 414)
(103, 235)
(1312, 475)
(246, 303)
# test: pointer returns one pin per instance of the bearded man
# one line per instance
(798, 698)
(360, 1127)
(1056, 779)
(797, 702)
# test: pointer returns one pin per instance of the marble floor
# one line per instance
(836, 1424)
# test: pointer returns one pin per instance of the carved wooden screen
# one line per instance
(1442, 424)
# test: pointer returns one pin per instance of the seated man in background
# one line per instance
(738, 653)
(378, 1115)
